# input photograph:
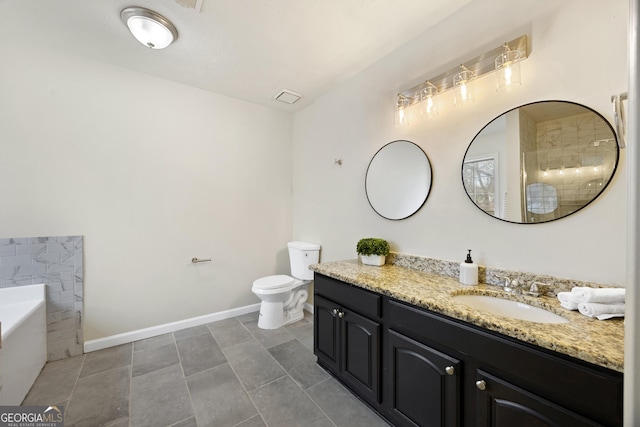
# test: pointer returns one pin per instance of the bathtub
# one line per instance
(24, 340)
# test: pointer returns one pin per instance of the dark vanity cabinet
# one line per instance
(424, 384)
(420, 368)
(347, 334)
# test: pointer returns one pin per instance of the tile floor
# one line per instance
(226, 373)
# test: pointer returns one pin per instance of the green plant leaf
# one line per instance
(372, 246)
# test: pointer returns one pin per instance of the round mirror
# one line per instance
(540, 162)
(398, 180)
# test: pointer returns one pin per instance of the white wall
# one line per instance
(152, 173)
(578, 54)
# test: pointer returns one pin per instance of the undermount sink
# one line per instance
(508, 308)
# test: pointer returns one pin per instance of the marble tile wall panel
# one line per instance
(55, 261)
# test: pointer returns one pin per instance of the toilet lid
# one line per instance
(273, 282)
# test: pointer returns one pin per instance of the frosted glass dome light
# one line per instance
(148, 27)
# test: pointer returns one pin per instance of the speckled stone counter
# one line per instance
(595, 341)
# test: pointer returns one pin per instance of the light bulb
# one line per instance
(463, 85)
(507, 67)
(429, 100)
(401, 118)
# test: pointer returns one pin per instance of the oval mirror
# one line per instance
(540, 162)
(398, 180)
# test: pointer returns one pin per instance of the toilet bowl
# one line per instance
(283, 296)
(283, 299)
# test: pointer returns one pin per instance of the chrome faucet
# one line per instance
(520, 287)
(510, 285)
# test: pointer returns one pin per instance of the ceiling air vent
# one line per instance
(287, 96)
(191, 4)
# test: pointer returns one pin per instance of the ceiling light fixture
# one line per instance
(148, 27)
(503, 60)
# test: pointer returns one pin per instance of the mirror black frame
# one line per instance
(426, 196)
(613, 172)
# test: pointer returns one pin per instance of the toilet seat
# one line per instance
(277, 281)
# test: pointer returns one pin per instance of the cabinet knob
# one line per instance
(341, 314)
(481, 385)
(335, 311)
(450, 370)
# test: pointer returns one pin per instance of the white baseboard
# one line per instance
(140, 334)
(308, 307)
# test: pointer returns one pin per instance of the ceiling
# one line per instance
(246, 49)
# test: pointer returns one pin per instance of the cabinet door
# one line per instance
(501, 404)
(361, 355)
(424, 385)
(326, 325)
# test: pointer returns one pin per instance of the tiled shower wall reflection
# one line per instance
(57, 262)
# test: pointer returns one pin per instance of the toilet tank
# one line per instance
(301, 256)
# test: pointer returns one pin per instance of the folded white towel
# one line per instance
(566, 301)
(599, 295)
(601, 311)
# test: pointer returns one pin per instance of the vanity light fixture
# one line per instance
(503, 60)
(402, 118)
(463, 84)
(148, 27)
(429, 100)
(508, 69)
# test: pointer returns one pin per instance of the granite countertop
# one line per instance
(600, 342)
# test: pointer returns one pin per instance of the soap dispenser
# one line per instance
(469, 271)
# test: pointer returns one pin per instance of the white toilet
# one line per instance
(282, 296)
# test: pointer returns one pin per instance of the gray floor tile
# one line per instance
(253, 422)
(100, 399)
(283, 403)
(218, 398)
(299, 362)
(297, 324)
(55, 382)
(199, 353)
(145, 361)
(229, 332)
(121, 423)
(153, 342)
(249, 317)
(307, 342)
(241, 351)
(109, 358)
(309, 316)
(268, 337)
(189, 422)
(160, 398)
(304, 333)
(190, 332)
(253, 364)
(342, 407)
(103, 387)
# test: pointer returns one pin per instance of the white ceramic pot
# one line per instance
(376, 260)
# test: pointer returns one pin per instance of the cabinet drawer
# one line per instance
(357, 299)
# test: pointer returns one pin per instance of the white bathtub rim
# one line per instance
(34, 299)
(25, 310)
(16, 294)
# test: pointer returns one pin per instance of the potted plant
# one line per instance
(372, 251)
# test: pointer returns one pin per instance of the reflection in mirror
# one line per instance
(398, 180)
(540, 162)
